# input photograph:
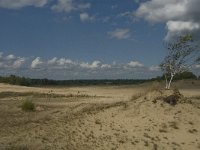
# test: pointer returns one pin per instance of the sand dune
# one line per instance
(106, 117)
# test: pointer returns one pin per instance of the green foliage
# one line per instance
(180, 76)
(28, 105)
(185, 75)
(182, 55)
(15, 80)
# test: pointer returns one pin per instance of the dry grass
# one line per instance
(155, 86)
(40, 95)
(137, 95)
(25, 94)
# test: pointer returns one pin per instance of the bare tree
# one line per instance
(182, 56)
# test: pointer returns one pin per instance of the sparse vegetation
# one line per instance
(174, 98)
(173, 125)
(28, 105)
(48, 95)
(137, 95)
(92, 122)
(192, 130)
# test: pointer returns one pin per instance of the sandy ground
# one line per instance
(100, 118)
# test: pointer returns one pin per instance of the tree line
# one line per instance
(17, 80)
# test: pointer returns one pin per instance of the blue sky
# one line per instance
(81, 39)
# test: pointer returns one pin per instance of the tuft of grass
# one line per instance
(192, 130)
(28, 105)
(32, 94)
(173, 125)
(136, 96)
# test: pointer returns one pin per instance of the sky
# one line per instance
(91, 39)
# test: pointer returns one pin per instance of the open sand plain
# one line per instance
(130, 117)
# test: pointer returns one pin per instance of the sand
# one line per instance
(100, 118)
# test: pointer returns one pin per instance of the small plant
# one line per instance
(192, 130)
(136, 96)
(173, 125)
(28, 105)
(97, 121)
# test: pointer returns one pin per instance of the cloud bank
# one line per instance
(65, 68)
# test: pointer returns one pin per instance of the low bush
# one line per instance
(28, 105)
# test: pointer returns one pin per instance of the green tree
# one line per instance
(182, 55)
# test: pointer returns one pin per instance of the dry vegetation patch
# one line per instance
(28, 105)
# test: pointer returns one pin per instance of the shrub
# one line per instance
(28, 105)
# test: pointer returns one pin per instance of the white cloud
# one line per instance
(125, 14)
(159, 10)
(180, 16)
(10, 57)
(106, 66)
(52, 61)
(197, 66)
(11, 61)
(63, 61)
(86, 17)
(64, 5)
(64, 68)
(60, 6)
(18, 63)
(180, 27)
(95, 64)
(60, 62)
(69, 6)
(36, 63)
(154, 68)
(120, 33)
(17, 4)
(135, 64)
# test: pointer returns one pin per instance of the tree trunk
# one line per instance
(166, 82)
(169, 85)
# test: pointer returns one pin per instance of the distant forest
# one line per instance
(16, 80)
